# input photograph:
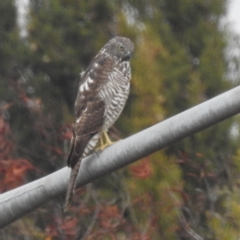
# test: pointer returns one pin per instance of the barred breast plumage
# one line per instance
(115, 93)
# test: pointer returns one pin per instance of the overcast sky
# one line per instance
(233, 14)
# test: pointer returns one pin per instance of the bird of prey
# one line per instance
(102, 94)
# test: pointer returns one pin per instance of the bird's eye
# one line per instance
(120, 47)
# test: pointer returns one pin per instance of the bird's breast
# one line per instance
(115, 93)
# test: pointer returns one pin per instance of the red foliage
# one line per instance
(5, 145)
(13, 173)
(142, 169)
(66, 132)
(67, 225)
(109, 217)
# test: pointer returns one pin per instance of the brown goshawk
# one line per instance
(102, 94)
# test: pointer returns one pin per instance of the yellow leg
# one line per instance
(104, 141)
(108, 140)
(101, 142)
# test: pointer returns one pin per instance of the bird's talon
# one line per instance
(102, 147)
(104, 142)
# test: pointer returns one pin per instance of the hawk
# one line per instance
(102, 94)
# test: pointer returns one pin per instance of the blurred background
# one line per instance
(186, 52)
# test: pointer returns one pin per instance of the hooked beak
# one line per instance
(128, 56)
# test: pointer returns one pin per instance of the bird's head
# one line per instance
(120, 48)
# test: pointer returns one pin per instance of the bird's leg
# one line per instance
(101, 141)
(108, 140)
(104, 141)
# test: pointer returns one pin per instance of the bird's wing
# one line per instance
(85, 127)
(89, 107)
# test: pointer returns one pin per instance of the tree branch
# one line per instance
(18, 202)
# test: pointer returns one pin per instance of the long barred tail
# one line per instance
(72, 185)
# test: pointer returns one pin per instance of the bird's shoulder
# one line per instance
(101, 62)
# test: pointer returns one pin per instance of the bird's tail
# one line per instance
(71, 185)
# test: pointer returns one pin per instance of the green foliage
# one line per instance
(157, 195)
(225, 221)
